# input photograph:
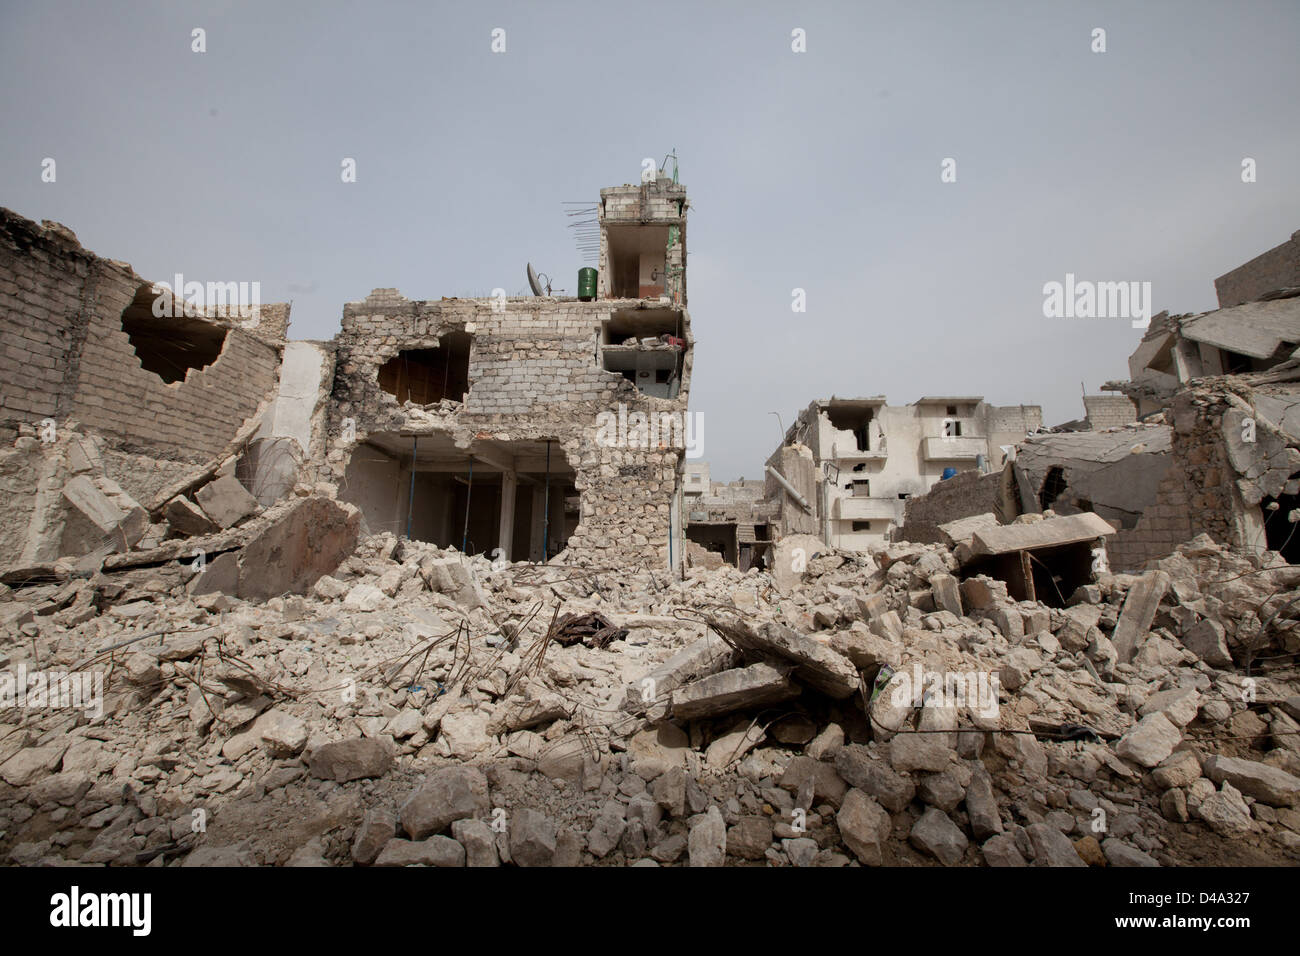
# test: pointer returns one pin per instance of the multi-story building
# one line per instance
(855, 462)
(518, 427)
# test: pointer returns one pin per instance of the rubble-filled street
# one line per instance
(402, 468)
(419, 707)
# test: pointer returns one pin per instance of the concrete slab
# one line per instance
(1049, 533)
(731, 690)
(226, 501)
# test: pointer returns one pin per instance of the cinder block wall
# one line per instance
(65, 354)
(46, 281)
(533, 375)
(1198, 494)
(1276, 269)
(965, 494)
(1108, 411)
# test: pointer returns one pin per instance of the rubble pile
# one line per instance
(416, 706)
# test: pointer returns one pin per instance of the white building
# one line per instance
(869, 457)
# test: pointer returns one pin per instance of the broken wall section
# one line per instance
(534, 376)
(965, 494)
(67, 354)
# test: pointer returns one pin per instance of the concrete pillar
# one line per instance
(506, 532)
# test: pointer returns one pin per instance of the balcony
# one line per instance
(953, 449)
(866, 509)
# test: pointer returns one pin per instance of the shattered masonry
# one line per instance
(1075, 646)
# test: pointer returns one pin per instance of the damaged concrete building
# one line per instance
(516, 427)
(521, 427)
(1216, 451)
(847, 467)
(309, 580)
(725, 521)
(114, 410)
(1254, 328)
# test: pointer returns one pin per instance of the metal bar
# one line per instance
(464, 539)
(546, 508)
(410, 498)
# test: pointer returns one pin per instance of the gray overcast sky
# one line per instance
(817, 170)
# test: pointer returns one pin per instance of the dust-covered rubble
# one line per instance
(415, 706)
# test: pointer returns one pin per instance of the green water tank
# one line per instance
(586, 283)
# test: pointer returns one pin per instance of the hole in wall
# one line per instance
(170, 346)
(429, 376)
(1280, 533)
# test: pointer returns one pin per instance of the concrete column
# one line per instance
(506, 532)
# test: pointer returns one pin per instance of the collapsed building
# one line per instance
(1200, 440)
(525, 426)
(725, 521)
(847, 467)
(308, 600)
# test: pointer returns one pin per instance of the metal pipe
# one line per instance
(546, 509)
(780, 480)
(410, 498)
(464, 541)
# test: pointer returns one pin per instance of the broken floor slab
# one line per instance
(732, 690)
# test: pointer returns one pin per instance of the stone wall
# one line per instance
(1198, 494)
(1108, 411)
(65, 354)
(965, 494)
(534, 375)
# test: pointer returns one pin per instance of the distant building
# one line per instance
(725, 521)
(855, 462)
(1255, 328)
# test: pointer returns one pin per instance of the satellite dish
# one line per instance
(534, 283)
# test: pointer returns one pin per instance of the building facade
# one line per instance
(868, 458)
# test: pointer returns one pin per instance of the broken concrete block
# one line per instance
(982, 592)
(947, 596)
(226, 501)
(1208, 641)
(790, 559)
(313, 537)
(122, 528)
(1047, 533)
(1150, 741)
(1275, 787)
(1178, 704)
(1052, 847)
(220, 575)
(1139, 611)
(1226, 812)
(865, 649)
(938, 836)
(1010, 622)
(732, 690)
(873, 777)
(532, 839)
(709, 655)
(707, 843)
(864, 826)
(435, 851)
(354, 759)
(963, 529)
(814, 663)
(447, 795)
(453, 577)
(185, 517)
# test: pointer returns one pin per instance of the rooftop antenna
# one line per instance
(663, 167)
